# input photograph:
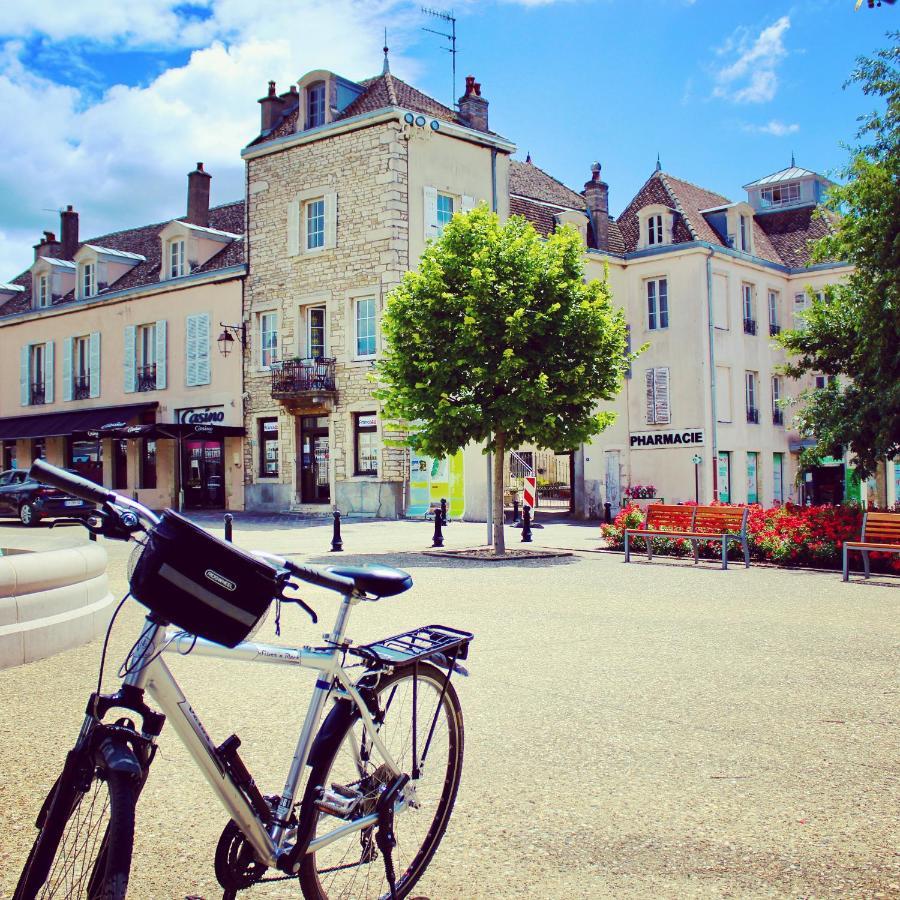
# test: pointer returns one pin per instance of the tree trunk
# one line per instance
(499, 453)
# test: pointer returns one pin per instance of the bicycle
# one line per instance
(367, 821)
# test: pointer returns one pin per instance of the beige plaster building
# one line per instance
(108, 364)
(346, 183)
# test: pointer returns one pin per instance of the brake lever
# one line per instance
(309, 610)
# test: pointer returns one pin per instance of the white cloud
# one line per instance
(121, 159)
(774, 127)
(752, 77)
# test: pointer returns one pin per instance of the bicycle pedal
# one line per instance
(339, 800)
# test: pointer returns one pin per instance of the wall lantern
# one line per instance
(228, 335)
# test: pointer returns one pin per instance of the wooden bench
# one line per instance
(693, 523)
(880, 533)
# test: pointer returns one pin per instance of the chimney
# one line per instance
(68, 230)
(473, 108)
(49, 246)
(596, 197)
(198, 197)
(272, 106)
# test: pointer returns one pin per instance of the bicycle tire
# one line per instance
(332, 872)
(70, 858)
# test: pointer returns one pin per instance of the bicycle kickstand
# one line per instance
(384, 835)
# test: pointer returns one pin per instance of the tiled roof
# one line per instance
(527, 180)
(145, 242)
(791, 230)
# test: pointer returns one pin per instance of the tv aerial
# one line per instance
(449, 17)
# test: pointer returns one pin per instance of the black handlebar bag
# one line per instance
(202, 584)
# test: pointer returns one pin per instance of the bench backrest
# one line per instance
(721, 519)
(881, 528)
(669, 515)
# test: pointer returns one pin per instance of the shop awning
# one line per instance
(173, 430)
(60, 423)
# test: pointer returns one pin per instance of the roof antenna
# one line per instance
(387, 67)
(447, 16)
(793, 164)
(658, 164)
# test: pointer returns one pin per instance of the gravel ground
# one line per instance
(632, 731)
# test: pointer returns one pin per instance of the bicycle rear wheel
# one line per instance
(352, 867)
(83, 848)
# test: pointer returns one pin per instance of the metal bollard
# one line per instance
(517, 519)
(607, 512)
(438, 539)
(337, 544)
(228, 526)
(526, 524)
(444, 519)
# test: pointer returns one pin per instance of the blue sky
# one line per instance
(109, 106)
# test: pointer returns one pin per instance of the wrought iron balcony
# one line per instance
(38, 395)
(81, 387)
(753, 415)
(300, 377)
(146, 378)
(777, 417)
(774, 329)
(749, 326)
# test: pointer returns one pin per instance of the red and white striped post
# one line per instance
(530, 491)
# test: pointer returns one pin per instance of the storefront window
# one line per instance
(86, 455)
(366, 443)
(268, 448)
(9, 455)
(38, 449)
(148, 463)
(120, 464)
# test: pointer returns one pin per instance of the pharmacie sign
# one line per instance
(689, 437)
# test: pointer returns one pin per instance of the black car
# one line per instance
(31, 501)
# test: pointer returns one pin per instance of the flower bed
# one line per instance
(784, 534)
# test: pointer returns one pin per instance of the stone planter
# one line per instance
(51, 601)
(644, 503)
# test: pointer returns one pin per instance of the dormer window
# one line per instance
(88, 280)
(315, 104)
(745, 234)
(781, 195)
(655, 226)
(176, 259)
(42, 292)
(654, 230)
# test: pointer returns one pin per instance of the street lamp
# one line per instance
(229, 333)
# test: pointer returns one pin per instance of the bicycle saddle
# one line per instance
(382, 581)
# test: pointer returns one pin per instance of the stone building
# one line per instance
(346, 182)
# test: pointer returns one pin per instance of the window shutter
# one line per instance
(197, 350)
(467, 203)
(331, 220)
(130, 364)
(651, 402)
(94, 363)
(24, 374)
(431, 219)
(48, 372)
(161, 355)
(67, 368)
(293, 227)
(801, 302)
(661, 396)
(190, 351)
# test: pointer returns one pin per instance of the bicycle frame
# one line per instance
(154, 675)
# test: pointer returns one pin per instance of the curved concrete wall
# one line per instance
(51, 601)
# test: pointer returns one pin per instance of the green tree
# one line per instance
(853, 331)
(497, 339)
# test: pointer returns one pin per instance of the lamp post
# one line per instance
(228, 335)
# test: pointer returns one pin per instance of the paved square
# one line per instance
(631, 731)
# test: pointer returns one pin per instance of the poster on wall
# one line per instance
(752, 490)
(724, 490)
(432, 480)
(778, 490)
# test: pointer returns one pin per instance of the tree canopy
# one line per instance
(497, 339)
(852, 332)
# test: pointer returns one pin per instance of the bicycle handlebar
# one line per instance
(74, 484)
(316, 575)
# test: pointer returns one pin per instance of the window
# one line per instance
(777, 412)
(778, 196)
(81, 368)
(821, 381)
(88, 280)
(315, 104)
(752, 476)
(801, 302)
(657, 384)
(38, 449)
(444, 211)
(42, 291)
(268, 448)
(654, 230)
(365, 327)
(365, 442)
(778, 477)
(176, 259)
(85, 455)
(749, 307)
(38, 375)
(196, 350)
(120, 464)
(774, 318)
(146, 357)
(315, 224)
(315, 332)
(745, 234)
(752, 408)
(268, 339)
(657, 304)
(9, 454)
(148, 464)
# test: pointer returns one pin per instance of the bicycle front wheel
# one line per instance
(352, 867)
(84, 843)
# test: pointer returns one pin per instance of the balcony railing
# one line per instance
(38, 395)
(81, 387)
(753, 415)
(774, 329)
(777, 417)
(303, 376)
(146, 378)
(749, 326)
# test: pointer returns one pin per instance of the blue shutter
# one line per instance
(202, 348)
(190, 351)
(48, 372)
(129, 355)
(94, 348)
(161, 381)
(24, 374)
(67, 368)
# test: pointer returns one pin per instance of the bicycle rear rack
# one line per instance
(418, 644)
